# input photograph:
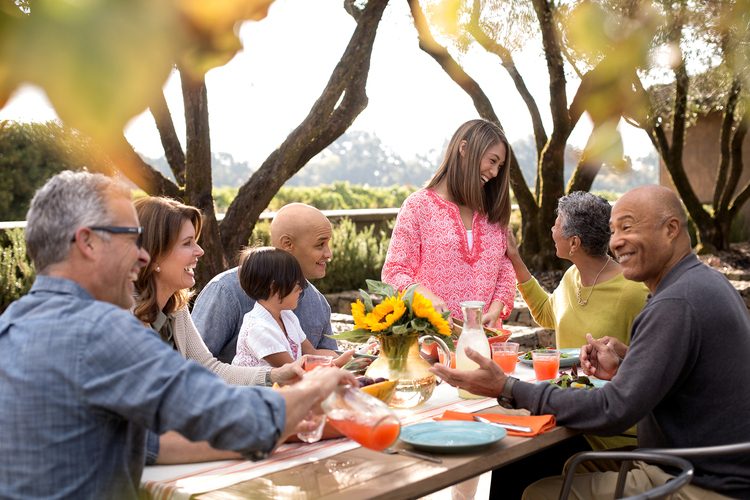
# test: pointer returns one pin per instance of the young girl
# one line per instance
(170, 235)
(450, 238)
(270, 332)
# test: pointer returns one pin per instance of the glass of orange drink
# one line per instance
(505, 354)
(546, 363)
(312, 361)
(441, 357)
(362, 418)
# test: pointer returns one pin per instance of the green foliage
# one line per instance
(261, 236)
(338, 196)
(16, 272)
(357, 256)
(31, 153)
(223, 197)
(102, 63)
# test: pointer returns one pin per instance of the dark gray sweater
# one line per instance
(685, 380)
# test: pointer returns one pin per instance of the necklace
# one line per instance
(581, 301)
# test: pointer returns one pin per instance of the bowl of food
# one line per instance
(493, 334)
(498, 335)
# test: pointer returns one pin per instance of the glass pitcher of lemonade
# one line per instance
(472, 335)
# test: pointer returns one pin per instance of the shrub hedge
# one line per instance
(357, 255)
(16, 272)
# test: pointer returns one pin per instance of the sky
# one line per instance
(260, 96)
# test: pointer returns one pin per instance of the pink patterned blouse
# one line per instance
(429, 246)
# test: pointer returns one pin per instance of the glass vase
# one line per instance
(399, 359)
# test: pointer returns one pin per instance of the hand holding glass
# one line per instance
(546, 363)
(362, 418)
(310, 430)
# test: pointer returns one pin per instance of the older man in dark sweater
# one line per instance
(684, 378)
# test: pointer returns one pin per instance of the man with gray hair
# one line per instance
(81, 379)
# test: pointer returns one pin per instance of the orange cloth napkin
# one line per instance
(538, 423)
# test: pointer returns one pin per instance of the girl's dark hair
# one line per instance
(265, 271)
(462, 171)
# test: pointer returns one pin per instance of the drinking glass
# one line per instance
(362, 418)
(505, 354)
(546, 363)
(441, 358)
(311, 428)
(313, 360)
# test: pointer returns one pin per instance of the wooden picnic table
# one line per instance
(363, 473)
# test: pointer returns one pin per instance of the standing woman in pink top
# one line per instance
(450, 237)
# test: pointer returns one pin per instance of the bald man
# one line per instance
(304, 232)
(684, 379)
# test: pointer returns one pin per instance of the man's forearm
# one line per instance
(176, 449)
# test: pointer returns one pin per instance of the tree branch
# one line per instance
(506, 58)
(481, 102)
(555, 67)
(674, 162)
(340, 103)
(456, 73)
(737, 162)
(585, 171)
(198, 173)
(728, 147)
(132, 166)
(169, 140)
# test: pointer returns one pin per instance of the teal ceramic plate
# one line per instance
(572, 359)
(598, 382)
(451, 436)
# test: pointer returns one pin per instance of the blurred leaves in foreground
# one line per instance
(102, 62)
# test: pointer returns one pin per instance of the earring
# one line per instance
(158, 269)
(570, 253)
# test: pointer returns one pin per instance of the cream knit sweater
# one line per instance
(190, 344)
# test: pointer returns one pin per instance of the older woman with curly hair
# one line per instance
(593, 296)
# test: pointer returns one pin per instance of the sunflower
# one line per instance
(358, 313)
(422, 308)
(385, 314)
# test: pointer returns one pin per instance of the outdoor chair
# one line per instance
(651, 455)
(627, 458)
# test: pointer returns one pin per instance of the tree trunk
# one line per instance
(553, 157)
(525, 198)
(342, 100)
(169, 140)
(198, 181)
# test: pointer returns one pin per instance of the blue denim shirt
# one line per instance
(81, 381)
(221, 305)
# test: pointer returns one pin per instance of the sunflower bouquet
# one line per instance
(398, 313)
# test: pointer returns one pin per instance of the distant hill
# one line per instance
(360, 158)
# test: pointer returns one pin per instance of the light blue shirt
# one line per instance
(81, 381)
(222, 304)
